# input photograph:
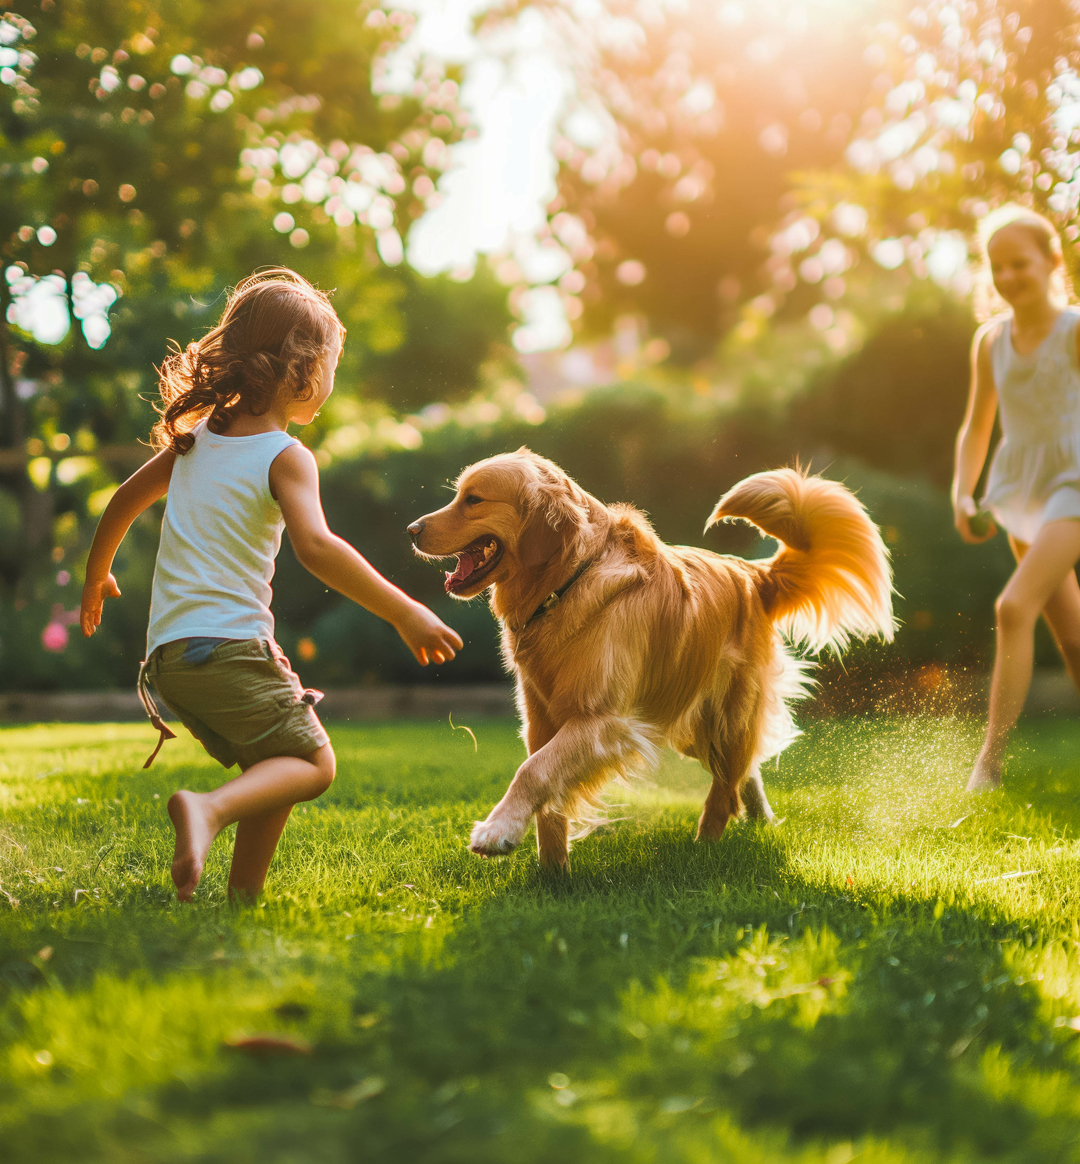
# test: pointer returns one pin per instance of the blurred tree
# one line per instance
(155, 153)
(677, 154)
(897, 401)
(720, 155)
(449, 327)
(975, 104)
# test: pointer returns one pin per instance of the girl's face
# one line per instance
(305, 411)
(1021, 271)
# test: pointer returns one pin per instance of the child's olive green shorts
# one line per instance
(238, 697)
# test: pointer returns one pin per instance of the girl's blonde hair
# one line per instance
(1045, 236)
(273, 336)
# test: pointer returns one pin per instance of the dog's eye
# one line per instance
(472, 499)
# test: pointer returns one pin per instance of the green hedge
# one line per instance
(666, 453)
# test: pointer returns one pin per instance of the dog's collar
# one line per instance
(553, 598)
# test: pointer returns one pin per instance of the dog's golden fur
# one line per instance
(651, 644)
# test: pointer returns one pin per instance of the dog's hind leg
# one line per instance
(754, 799)
(729, 760)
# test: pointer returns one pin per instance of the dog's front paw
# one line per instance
(494, 838)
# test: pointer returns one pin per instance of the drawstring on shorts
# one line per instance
(151, 708)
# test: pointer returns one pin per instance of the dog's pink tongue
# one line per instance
(464, 569)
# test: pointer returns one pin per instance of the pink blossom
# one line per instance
(55, 637)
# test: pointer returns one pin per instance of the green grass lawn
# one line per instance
(864, 981)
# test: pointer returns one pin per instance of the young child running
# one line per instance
(1027, 363)
(233, 477)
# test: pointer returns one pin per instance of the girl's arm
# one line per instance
(137, 493)
(973, 440)
(294, 482)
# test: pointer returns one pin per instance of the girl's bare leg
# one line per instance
(1062, 615)
(266, 787)
(253, 850)
(1041, 573)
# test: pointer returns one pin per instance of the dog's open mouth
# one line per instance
(474, 562)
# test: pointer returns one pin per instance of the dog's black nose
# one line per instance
(415, 529)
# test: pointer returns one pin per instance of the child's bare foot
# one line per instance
(985, 776)
(193, 839)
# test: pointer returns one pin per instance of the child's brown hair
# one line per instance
(273, 336)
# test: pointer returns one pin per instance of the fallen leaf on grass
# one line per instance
(45, 953)
(849, 879)
(960, 820)
(366, 1089)
(270, 1045)
(1008, 876)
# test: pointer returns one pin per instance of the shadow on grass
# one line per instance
(927, 1027)
(927, 1036)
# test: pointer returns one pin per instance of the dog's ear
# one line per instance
(555, 512)
(539, 541)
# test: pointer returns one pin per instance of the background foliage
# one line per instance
(781, 197)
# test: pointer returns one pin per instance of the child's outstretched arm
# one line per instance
(973, 440)
(294, 482)
(137, 493)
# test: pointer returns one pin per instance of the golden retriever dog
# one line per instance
(621, 644)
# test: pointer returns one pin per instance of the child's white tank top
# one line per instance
(219, 538)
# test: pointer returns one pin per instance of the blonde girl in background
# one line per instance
(1025, 366)
(233, 479)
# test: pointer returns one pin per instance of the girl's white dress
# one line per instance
(1035, 474)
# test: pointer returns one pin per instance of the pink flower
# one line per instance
(63, 578)
(55, 637)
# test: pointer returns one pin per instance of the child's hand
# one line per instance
(93, 598)
(428, 637)
(973, 526)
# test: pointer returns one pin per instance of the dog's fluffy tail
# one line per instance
(831, 579)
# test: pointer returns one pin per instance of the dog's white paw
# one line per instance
(755, 803)
(494, 838)
(761, 814)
